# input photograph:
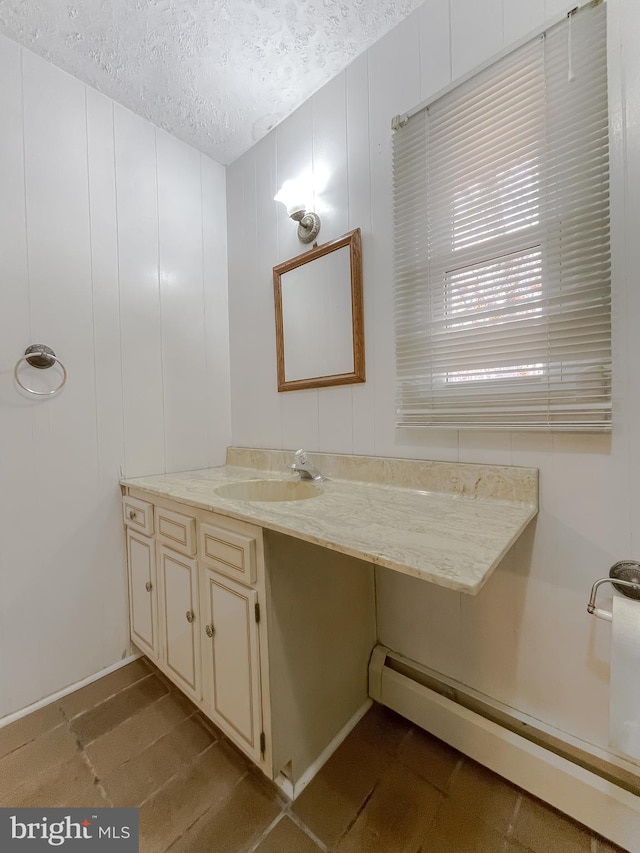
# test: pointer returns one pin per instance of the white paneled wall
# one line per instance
(113, 252)
(526, 640)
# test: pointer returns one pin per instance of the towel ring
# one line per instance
(42, 357)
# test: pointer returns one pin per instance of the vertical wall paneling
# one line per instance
(265, 395)
(108, 546)
(104, 277)
(492, 447)
(17, 464)
(522, 17)
(335, 406)
(335, 419)
(141, 332)
(477, 33)
(329, 141)
(241, 327)
(300, 421)
(359, 188)
(65, 436)
(253, 288)
(490, 634)
(294, 159)
(256, 404)
(80, 248)
(216, 393)
(555, 8)
(435, 47)
(394, 87)
(428, 611)
(184, 374)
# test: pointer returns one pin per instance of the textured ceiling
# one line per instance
(218, 74)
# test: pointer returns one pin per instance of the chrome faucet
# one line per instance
(305, 468)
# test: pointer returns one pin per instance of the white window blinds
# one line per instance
(501, 203)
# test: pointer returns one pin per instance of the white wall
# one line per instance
(527, 639)
(113, 252)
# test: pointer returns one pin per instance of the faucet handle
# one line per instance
(301, 456)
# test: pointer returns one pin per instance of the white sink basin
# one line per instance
(269, 490)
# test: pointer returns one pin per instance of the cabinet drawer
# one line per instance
(230, 553)
(138, 515)
(176, 530)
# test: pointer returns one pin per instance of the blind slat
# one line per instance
(502, 257)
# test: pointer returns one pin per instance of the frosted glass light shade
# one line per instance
(291, 196)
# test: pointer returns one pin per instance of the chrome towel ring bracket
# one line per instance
(625, 577)
(42, 357)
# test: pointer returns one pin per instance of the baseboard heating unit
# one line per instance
(583, 783)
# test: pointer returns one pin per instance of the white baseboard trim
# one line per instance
(595, 802)
(294, 789)
(41, 703)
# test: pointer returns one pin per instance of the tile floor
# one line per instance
(132, 739)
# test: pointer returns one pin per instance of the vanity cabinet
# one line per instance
(195, 610)
(179, 619)
(143, 598)
(269, 636)
(231, 659)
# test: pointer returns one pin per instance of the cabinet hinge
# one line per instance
(263, 743)
(257, 609)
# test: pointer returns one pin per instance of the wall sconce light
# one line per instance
(291, 196)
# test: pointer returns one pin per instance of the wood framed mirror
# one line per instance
(319, 316)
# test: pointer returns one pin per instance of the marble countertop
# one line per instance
(453, 535)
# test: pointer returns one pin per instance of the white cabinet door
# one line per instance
(179, 619)
(143, 602)
(231, 659)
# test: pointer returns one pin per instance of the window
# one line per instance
(501, 203)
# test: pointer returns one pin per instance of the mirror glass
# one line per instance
(319, 322)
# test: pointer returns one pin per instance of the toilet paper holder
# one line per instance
(625, 576)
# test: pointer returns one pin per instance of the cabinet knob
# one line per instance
(209, 631)
(190, 616)
(132, 514)
(148, 586)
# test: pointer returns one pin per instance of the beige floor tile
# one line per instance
(30, 727)
(511, 846)
(396, 817)
(170, 812)
(334, 798)
(485, 794)
(286, 837)
(457, 830)
(544, 830)
(211, 726)
(91, 695)
(377, 794)
(234, 823)
(57, 786)
(136, 733)
(50, 749)
(92, 797)
(429, 757)
(109, 714)
(383, 727)
(137, 779)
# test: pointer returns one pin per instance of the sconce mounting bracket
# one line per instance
(308, 225)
